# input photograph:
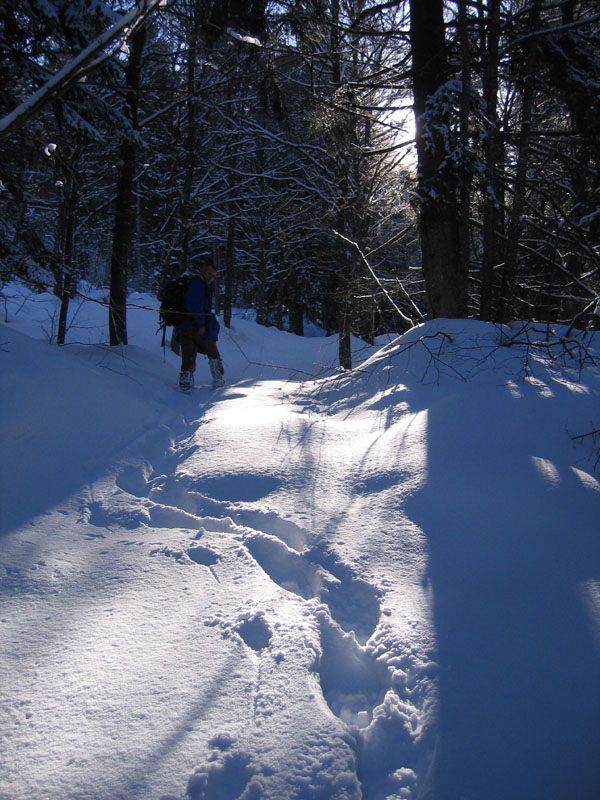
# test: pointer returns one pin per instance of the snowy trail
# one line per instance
(349, 589)
(299, 570)
(294, 648)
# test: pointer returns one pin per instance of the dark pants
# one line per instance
(192, 343)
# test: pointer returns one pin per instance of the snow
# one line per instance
(307, 585)
(246, 38)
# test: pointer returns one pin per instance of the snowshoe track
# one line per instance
(303, 588)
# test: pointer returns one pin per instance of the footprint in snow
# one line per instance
(203, 555)
(251, 627)
(243, 488)
(133, 479)
(318, 573)
(206, 558)
(254, 630)
(228, 773)
(119, 513)
(169, 517)
(296, 537)
(353, 682)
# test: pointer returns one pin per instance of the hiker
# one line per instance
(199, 332)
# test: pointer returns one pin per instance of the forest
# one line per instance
(361, 165)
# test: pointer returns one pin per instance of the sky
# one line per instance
(308, 585)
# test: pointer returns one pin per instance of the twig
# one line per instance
(411, 323)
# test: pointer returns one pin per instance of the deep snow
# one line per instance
(307, 585)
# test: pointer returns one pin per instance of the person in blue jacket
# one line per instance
(200, 331)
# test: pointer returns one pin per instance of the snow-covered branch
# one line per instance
(98, 51)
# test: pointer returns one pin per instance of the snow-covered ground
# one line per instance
(304, 586)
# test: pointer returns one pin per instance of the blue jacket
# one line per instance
(198, 301)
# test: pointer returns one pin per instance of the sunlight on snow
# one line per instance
(547, 470)
(258, 415)
(543, 389)
(571, 385)
(414, 441)
(588, 481)
(514, 389)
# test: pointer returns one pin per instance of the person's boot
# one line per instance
(186, 381)
(216, 370)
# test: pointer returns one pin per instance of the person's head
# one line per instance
(208, 273)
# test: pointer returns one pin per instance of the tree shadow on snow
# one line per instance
(514, 547)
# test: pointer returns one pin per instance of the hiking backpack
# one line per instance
(172, 307)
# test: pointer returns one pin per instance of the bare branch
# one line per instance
(387, 295)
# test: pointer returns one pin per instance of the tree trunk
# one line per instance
(190, 144)
(67, 251)
(262, 244)
(124, 209)
(445, 276)
(229, 256)
(506, 307)
(343, 305)
(466, 172)
(342, 184)
(585, 119)
(294, 304)
(261, 286)
(493, 216)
